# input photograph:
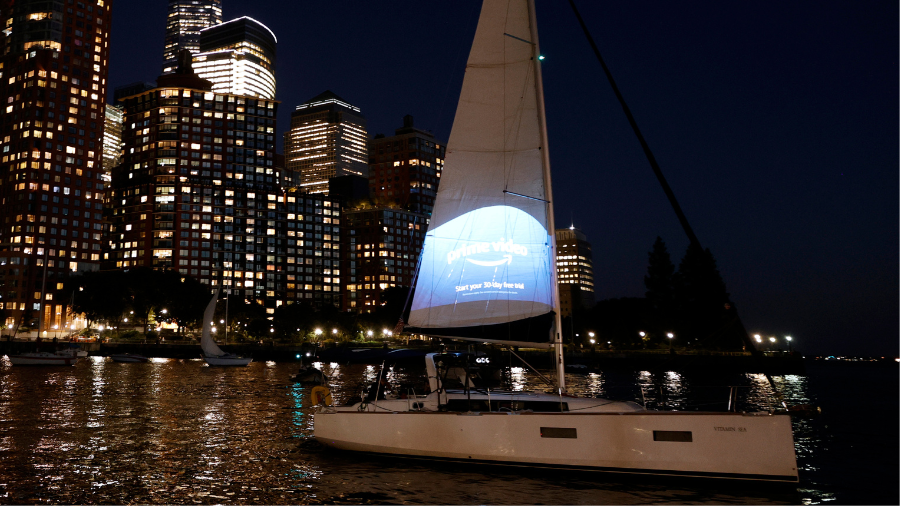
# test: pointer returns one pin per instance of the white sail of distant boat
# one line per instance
(488, 274)
(212, 354)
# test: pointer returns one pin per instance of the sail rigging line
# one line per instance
(546, 379)
(459, 53)
(526, 196)
(412, 285)
(637, 131)
(682, 219)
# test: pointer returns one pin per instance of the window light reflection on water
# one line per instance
(177, 431)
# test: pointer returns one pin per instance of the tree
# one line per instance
(185, 298)
(660, 284)
(101, 295)
(702, 298)
(619, 321)
(294, 319)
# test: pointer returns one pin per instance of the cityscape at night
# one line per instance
(355, 189)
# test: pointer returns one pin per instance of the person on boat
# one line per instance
(377, 390)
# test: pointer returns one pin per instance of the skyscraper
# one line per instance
(327, 139)
(405, 169)
(54, 68)
(198, 192)
(112, 136)
(238, 56)
(575, 270)
(185, 20)
(382, 251)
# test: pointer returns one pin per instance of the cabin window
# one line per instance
(559, 432)
(673, 435)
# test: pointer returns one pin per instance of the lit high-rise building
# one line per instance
(382, 251)
(238, 56)
(327, 139)
(185, 20)
(53, 91)
(575, 270)
(198, 191)
(405, 169)
(112, 136)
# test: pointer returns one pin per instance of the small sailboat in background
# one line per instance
(488, 275)
(309, 374)
(212, 354)
(128, 358)
(64, 357)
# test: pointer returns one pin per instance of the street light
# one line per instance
(671, 336)
(789, 339)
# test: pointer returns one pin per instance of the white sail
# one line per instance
(487, 256)
(210, 348)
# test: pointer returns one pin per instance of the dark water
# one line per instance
(173, 431)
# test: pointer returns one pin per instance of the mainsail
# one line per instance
(210, 348)
(488, 256)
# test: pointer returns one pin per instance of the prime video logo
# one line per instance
(501, 246)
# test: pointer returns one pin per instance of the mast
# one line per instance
(556, 328)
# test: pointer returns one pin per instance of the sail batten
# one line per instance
(488, 254)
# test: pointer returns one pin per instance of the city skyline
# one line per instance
(774, 127)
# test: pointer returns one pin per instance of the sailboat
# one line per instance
(488, 274)
(212, 354)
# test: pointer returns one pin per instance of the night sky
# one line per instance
(776, 126)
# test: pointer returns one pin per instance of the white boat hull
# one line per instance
(715, 445)
(42, 359)
(227, 360)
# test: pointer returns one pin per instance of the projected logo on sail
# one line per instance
(492, 253)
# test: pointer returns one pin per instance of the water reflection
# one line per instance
(177, 431)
